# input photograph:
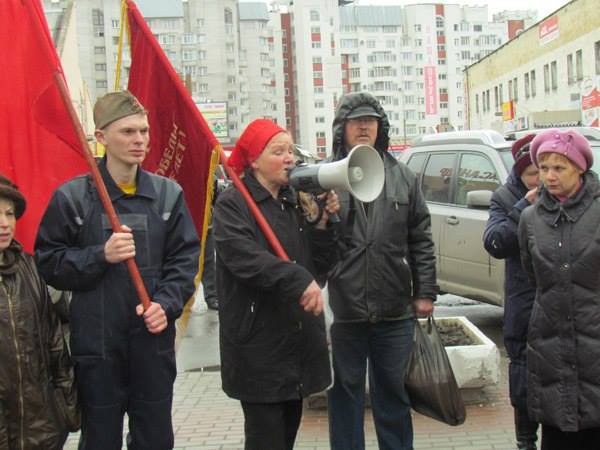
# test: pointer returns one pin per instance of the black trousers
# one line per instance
(555, 439)
(271, 426)
(136, 378)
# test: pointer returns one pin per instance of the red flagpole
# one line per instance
(101, 188)
(260, 219)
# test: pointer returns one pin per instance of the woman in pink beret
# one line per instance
(559, 238)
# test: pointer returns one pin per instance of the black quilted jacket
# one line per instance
(560, 250)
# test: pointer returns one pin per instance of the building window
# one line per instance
(100, 67)
(417, 27)
(570, 69)
(97, 17)
(316, 44)
(515, 90)
(189, 38)
(439, 22)
(477, 28)
(526, 82)
(99, 50)
(533, 84)
(546, 78)
(319, 119)
(314, 15)
(228, 16)
(497, 97)
(597, 53)
(101, 84)
(554, 75)
(579, 64)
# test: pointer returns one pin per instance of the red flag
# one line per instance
(38, 143)
(181, 143)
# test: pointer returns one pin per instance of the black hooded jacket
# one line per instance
(386, 252)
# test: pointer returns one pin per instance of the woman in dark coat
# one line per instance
(272, 333)
(37, 396)
(559, 237)
(501, 241)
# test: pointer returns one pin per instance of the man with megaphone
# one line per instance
(385, 276)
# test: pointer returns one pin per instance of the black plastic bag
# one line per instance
(430, 382)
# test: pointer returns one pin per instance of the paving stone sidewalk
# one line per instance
(206, 419)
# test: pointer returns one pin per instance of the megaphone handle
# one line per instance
(333, 218)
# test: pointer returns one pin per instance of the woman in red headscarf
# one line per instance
(272, 333)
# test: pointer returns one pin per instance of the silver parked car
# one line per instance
(458, 172)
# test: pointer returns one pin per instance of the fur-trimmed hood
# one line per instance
(345, 106)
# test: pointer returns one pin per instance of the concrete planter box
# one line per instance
(475, 365)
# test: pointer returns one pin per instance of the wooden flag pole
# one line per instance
(100, 187)
(260, 219)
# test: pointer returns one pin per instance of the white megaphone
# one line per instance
(361, 173)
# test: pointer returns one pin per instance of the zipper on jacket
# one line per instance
(19, 373)
(362, 205)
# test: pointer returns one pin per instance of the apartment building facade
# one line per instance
(260, 74)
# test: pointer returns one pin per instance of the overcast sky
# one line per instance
(544, 7)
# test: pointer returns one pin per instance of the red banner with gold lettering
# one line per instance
(181, 143)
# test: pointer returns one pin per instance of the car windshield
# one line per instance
(596, 165)
(507, 158)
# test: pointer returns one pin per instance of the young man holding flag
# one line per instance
(124, 356)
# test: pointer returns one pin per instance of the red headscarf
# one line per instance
(251, 143)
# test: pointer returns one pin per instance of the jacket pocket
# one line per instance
(141, 235)
(247, 322)
(64, 407)
(165, 340)
(394, 224)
